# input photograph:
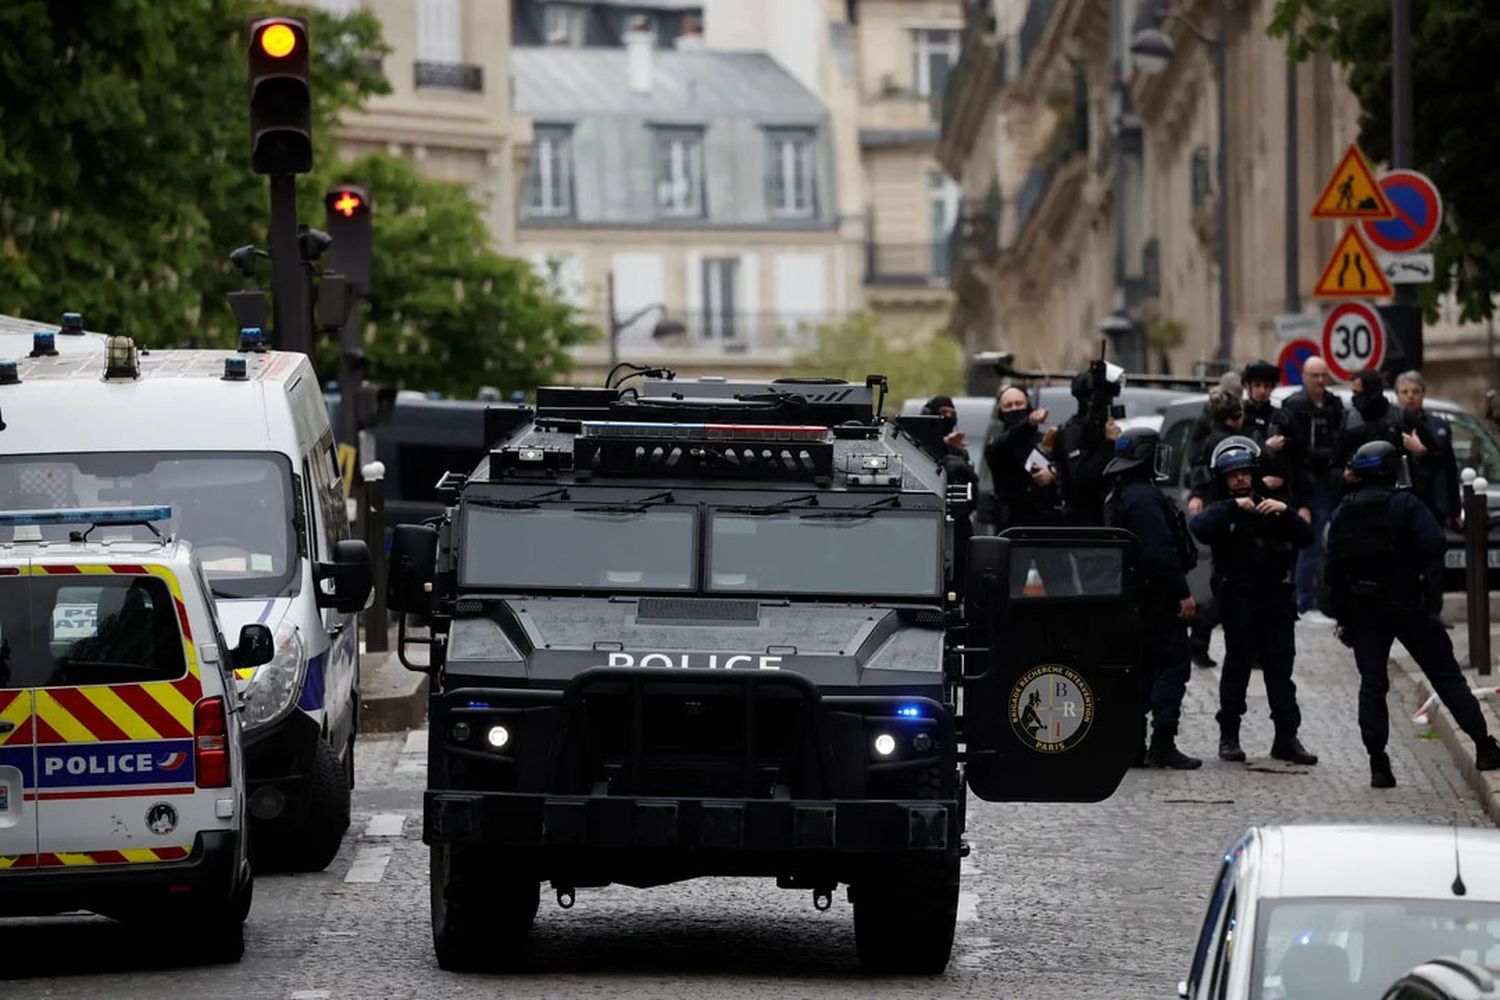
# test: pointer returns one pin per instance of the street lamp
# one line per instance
(665, 330)
(1152, 50)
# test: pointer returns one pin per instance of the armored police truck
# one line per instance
(688, 628)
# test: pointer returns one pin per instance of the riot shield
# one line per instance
(1051, 710)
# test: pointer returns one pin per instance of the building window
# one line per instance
(679, 173)
(440, 31)
(791, 173)
(564, 25)
(933, 56)
(549, 180)
(719, 278)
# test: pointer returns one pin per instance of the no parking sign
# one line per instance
(1353, 339)
(1293, 356)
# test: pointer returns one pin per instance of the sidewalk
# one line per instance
(393, 698)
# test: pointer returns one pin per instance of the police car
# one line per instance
(122, 781)
(239, 445)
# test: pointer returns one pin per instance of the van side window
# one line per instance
(328, 488)
(317, 542)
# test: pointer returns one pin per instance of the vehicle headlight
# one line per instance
(273, 689)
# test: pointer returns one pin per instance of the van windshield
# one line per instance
(234, 507)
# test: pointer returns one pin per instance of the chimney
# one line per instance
(639, 42)
(691, 39)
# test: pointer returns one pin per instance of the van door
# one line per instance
(1051, 710)
(337, 650)
(17, 726)
(115, 716)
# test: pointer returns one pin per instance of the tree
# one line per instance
(1455, 80)
(855, 347)
(446, 312)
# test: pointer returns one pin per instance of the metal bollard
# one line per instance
(1476, 568)
(377, 630)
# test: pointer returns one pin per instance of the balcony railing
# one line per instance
(708, 334)
(912, 264)
(450, 76)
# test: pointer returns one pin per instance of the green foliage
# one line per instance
(125, 181)
(445, 311)
(1455, 83)
(855, 348)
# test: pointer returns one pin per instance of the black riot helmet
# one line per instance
(1380, 463)
(1139, 449)
(1262, 371)
(1235, 452)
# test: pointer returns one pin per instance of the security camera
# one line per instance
(244, 259)
(313, 243)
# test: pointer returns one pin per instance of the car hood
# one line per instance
(545, 641)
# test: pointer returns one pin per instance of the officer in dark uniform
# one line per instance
(1434, 469)
(1255, 539)
(1226, 416)
(1268, 427)
(959, 470)
(1084, 448)
(1022, 495)
(1316, 419)
(1137, 505)
(1384, 574)
(1370, 418)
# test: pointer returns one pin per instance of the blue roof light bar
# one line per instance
(88, 515)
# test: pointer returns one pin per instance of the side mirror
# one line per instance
(352, 577)
(257, 646)
(413, 568)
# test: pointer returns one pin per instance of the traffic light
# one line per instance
(348, 222)
(280, 98)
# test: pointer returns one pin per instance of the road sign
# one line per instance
(1353, 339)
(1297, 326)
(1352, 272)
(1293, 356)
(1418, 213)
(1408, 268)
(1352, 192)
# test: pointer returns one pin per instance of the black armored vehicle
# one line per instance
(688, 628)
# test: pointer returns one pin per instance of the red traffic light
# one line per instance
(278, 40)
(346, 203)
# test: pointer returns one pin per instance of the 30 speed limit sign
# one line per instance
(1353, 339)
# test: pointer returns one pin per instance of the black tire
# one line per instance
(217, 933)
(905, 913)
(314, 847)
(481, 917)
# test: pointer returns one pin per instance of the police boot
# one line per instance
(1487, 754)
(1287, 747)
(1380, 771)
(1229, 743)
(1164, 753)
(1201, 657)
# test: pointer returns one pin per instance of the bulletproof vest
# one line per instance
(1363, 569)
(1253, 553)
(1182, 538)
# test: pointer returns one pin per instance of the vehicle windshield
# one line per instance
(825, 552)
(234, 507)
(575, 548)
(1342, 949)
(1473, 447)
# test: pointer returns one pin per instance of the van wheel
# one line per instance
(327, 815)
(481, 917)
(218, 931)
(905, 912)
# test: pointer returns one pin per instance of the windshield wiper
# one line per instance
(862, 511)
(636, 507)
(526, 503)
(779, 507)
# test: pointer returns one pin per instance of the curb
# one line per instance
(393, 698)
(1485, 784)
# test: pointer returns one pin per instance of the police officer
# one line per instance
(1267, 426)
(1316, 419)
(1434, 469)
(1255, 539)
(1384, 573)
(1137, 505)
(1226, 415)
(959, 470)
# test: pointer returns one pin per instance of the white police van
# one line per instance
(21, 338)
(239, 445)
(122, 782)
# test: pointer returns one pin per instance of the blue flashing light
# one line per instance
(72, 323)
(909, 711)
(252, 339)
(235, 370)
(10, 372)
(87, 515)
(43, 344)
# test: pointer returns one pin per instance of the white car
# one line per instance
(122, 775)
(1342, 912)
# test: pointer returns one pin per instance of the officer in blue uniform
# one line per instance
(1137, 505)
(1255, 539)
(1384, 576)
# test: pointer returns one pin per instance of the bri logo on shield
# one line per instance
(127, 763)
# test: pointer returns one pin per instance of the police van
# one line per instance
(28, 338)
(239, 445)
(122, 782)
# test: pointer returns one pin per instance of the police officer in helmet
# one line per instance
(1384, 577)
(1255, 539)
(1137, 505)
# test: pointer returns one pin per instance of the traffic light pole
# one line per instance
(292, 328)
